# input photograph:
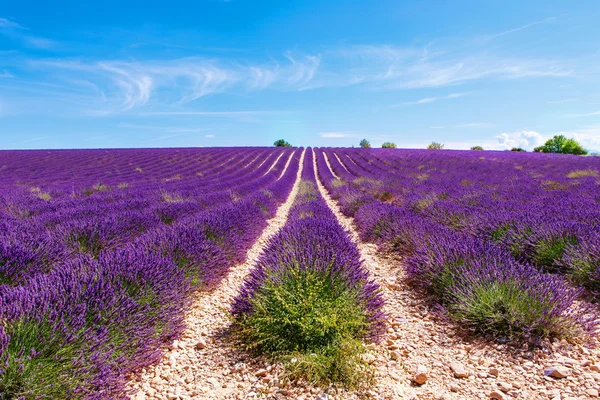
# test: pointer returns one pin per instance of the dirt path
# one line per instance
(201, 365)
(416, 338)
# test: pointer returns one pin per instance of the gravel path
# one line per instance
(202, 365)
(424, 348)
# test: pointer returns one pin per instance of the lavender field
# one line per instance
(105, 254)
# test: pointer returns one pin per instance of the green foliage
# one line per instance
(477, 148)
(281, 143)
(313, 322)
(583, 271)
(43, 373)
(365, 144)
(560, 144)
(517, 149)
(506, 309)
(571, 146)
(388, 145)
(547, 252)
(435, 146)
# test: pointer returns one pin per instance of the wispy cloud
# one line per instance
(164, 137)
(17, 31)
(590, 114)
(226, 114)
(427, 100)
(520, 28)
(35, 139)
(475, 125)
(166, 129)
(40, 42)
(185, 130)
(5, 74)
(437, 127)
(210, 136)
(9, 23)
(126, 84)
(562, 101)
(335, 135)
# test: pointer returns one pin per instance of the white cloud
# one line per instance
(5, 74)
(427, 100)
(125, 85)
(437, 127)
(210, 136)
(520, 28)
(475, 125)
(525, 139)
(334, 135)
(9, 23)
(40, 42)
(562, 101)
(590, 114)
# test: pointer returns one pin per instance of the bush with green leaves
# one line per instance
(282, 143)
(388, 145)
(477, 148)
(561, 145)
(435, 146)
(365, 144)
(519, 149)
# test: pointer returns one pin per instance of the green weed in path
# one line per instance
(312, 322)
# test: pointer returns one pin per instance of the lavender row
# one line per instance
(34, 245)
(80, 330)
(311, 242)
(479, 283)
(543, 209)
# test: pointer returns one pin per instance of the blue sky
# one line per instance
(321, 73)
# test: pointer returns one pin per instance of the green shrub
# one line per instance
(435, 146)
(281, 143)
(312, 322)
(505, 308)
(548, 251)
(37, 363)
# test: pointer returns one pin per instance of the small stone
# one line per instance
(504, 386)
(213, 381)
(493, 372)
(395, 355)
(595, 367)
(557, 371)
(322, 396)
(262, 372)
(454, 388)
(592, 392)
(201, 344)
(459, 370)
(497, 395)
(420, 375)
